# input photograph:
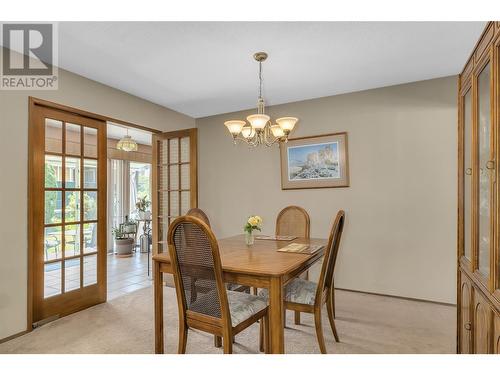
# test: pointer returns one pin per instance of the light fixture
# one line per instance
(127, 144)
(260, 131)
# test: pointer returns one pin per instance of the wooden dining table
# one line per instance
(259, 265)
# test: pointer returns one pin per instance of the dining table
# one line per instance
(260, 265)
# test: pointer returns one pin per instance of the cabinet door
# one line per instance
(464, 322)
(496, 341)
(481, 327)
(484, 173)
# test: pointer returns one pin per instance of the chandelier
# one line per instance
(127, 144)
(260, 130)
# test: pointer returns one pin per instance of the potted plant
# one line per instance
(123, 244)
(142, 206)
(253, 223)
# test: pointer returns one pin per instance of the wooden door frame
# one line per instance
(33, 103)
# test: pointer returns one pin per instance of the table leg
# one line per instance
(158, 298)
(276, 322)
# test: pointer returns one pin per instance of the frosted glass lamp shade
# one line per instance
(234, 126)
(247, 132)
(287, 123)
(258, 121)
(127, 144)
(277, 131)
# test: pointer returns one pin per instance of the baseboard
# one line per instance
(399, 297)
(12, 337)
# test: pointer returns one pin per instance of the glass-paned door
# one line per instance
(485, 171)
(68, 212)
(466, 175)
(175, 181)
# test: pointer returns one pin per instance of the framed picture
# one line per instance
(315, 162)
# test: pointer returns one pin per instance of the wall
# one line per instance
(400, 235)
(74, 91)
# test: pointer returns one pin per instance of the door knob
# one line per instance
(490, 164)
(468, 171)
(467, 326)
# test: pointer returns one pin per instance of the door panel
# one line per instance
(465, 325)
(482, 319)
(67, 213)
(175, 182)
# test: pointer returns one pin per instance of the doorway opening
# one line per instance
(129, 235)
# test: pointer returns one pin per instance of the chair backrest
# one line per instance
(196, 263)
(293, 221)
(200, 214)
(332, 250)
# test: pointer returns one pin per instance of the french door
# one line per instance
(67, 212)
(175, 181)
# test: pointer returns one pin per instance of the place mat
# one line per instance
(276, 238)
(300, 248)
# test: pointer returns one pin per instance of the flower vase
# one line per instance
(249, 238)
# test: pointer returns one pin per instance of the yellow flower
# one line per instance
(253, 221)
(259, 220)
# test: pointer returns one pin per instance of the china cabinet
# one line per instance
(478, 272)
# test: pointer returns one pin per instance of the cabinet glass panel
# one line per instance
(484, 173)
(467, 121)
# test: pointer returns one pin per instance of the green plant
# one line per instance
(143, 204)
(117, 232)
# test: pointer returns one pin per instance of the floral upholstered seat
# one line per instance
(241, 305)
(298, 291)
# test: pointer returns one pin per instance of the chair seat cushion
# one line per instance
(244, 305)
(241, 305)
(297, 291)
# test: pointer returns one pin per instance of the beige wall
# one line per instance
(400, 235)
(74, 91)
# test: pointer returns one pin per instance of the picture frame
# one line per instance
(314, 162)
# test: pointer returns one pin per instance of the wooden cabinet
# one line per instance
(478, 286)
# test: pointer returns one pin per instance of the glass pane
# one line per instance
(73, 139)
(185, 176)
(185, 149)
(90, 205)
(90, 237)
(52, 279)
(90, 142)
(467, 120)
(89, 270)
(163, 177)
(71, 274)
(174, 203)
(185, 202)
(163, 204)
(174, 177)
(163, 153)
(53, 204)
(89, 174)
(174, 150)
(72, 240)
(72, 209)
(53, 171)
(72, 173)
(52, 243)
(484, 138)
(53, 135)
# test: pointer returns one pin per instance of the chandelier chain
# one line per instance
(260, 79)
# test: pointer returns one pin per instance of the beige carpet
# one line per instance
(366, 324)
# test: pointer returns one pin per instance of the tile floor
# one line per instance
(126, 275)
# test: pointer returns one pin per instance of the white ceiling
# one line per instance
(116, 131)
(206, 68)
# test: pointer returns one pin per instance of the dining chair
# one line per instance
(200, 214)
(294, 221)
(308, 296)
(195, 258)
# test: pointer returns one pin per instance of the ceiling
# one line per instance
(206, 68)
(116, 131)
